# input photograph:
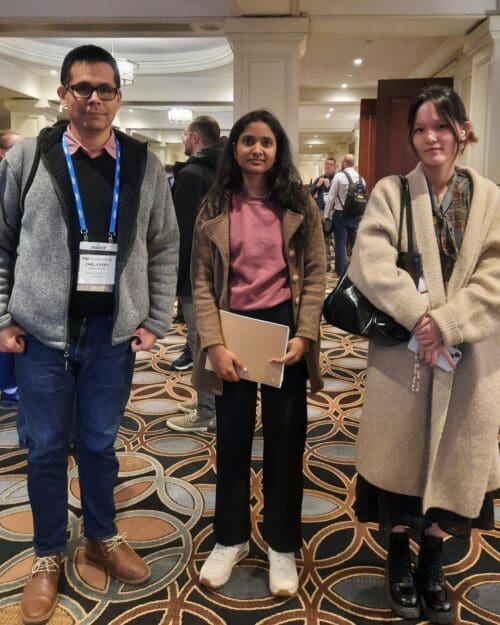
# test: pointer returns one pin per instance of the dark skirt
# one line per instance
(388, 509)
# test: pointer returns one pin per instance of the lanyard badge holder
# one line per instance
(96, 260)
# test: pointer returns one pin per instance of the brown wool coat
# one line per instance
(210, 279)
(441, 443)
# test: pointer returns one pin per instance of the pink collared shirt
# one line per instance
(74, 145)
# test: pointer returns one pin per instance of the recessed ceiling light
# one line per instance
(328, 115)
(349, 75)
(331, 109)
(358, 61)
(130, 110)
(53, 72)
(315, 136)
(344, 85)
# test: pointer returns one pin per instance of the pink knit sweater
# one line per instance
(258, 275)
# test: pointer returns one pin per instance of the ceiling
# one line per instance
(184, 58)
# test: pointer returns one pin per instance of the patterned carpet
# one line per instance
(165, 501)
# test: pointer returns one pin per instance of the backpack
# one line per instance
(31, 160)
(356, 198)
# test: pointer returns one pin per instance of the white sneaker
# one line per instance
(187, 406)
(190, 422)
(219, 565)
(283, 578)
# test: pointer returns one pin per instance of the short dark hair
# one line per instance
(88, 54)
(449, 106)
(207, 127)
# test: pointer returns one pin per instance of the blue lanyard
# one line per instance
(78, 199)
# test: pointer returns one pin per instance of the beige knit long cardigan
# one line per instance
(441, 443)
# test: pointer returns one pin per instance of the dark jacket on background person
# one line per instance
(318, 193)
(192, 181)
(35, 286)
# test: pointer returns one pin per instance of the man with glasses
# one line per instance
(319, 190)
(9, 397)
(88, 256)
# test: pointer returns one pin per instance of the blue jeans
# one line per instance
(95, 380)
(344, 230)
(7, 374)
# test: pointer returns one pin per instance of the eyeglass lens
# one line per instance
(85, 90)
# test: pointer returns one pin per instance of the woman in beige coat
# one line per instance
(427, 452)
(258, 251)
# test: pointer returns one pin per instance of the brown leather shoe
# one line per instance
(39, 598)
(119, 559)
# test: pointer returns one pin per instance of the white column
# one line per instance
(267, 55)
(28, 117)
(483, 47)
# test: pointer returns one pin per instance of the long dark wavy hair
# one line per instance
(283, 182)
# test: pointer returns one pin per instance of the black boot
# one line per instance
(436, 601)
(399, 581)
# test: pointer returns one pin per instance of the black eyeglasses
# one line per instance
(84, 91)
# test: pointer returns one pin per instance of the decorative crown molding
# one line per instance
(52, 55)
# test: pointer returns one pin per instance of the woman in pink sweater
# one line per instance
(258, 251)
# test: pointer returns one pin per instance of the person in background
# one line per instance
(344, 228)
(427, 448)
(8, 139)
(192, 181)
(321, 186)
(319, 190)
(258, 251)
(169, 171)
(100, 199)
(8, 384)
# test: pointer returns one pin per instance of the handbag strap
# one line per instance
(416, 258)
(405, 207)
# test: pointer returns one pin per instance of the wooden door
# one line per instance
(367, 141)
(393, 152)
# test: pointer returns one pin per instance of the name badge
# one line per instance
(96, 266)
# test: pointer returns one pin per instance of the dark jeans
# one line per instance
(7, 373)
(96, 378)
(344, 230)
(284, 422)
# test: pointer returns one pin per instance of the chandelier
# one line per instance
(180, 116)
(126, 69)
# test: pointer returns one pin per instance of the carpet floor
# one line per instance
(165, 504)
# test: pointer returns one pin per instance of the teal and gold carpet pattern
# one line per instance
(165, 503)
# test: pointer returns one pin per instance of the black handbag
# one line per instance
(348, 309)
